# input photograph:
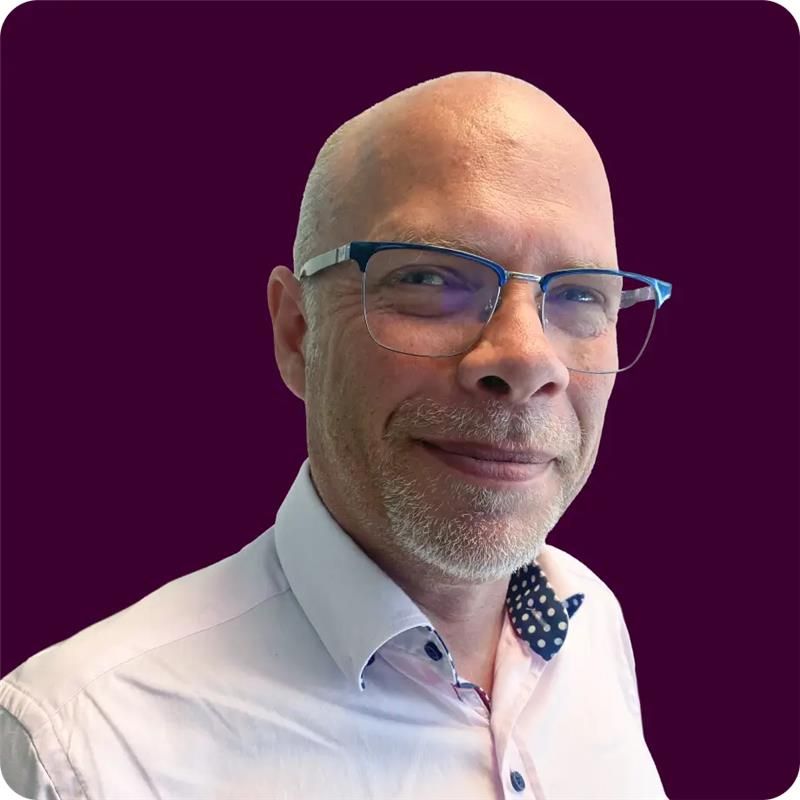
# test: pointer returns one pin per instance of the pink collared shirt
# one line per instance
(297, 669)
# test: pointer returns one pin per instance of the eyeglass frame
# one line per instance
(362, 251)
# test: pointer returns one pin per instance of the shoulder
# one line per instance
(199, 603)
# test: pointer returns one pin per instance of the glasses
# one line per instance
(423, 300)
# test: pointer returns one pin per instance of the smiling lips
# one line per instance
(483, 452)
(493, 466)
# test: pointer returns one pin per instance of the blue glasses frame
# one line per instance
(361, 252)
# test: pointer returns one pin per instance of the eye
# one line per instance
(432, 277)
(412, 278)
(577, 294)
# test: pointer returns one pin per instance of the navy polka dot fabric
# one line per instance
(537, 615)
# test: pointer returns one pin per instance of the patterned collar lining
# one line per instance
(537, 615)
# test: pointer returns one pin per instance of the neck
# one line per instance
(469, 618)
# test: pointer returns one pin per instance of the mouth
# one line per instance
(495, 469)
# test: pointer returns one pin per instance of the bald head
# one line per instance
(480, 131)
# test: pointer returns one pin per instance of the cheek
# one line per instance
(589, 395)
(378, 383)
(351, 386)
(384, 381)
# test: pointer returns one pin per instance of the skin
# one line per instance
(487, 163)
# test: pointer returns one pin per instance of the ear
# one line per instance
(285, 301)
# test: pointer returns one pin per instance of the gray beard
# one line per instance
(489, 539)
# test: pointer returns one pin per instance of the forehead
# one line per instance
(527, 217)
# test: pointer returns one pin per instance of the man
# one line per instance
(403, 630)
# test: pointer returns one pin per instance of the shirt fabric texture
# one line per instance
(296, 668)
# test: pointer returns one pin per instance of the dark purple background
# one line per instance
(153, 159)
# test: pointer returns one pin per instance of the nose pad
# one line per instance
(485, 312)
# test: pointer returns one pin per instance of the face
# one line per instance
(368, 407)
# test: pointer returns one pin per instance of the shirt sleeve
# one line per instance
(19, 761)
(651, 778)
(33, 760)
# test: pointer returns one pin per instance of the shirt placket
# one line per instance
(519, 672)
(469, 693)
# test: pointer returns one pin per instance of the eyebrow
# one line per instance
(476, 247)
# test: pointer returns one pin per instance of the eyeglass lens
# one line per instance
(426, 303)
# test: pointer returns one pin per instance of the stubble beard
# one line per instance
(462, 530)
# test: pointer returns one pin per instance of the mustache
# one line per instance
(493, 423)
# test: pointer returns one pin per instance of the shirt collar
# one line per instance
(355, 607)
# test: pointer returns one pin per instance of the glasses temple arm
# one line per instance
(630, 297)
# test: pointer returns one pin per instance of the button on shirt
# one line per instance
(296, 668)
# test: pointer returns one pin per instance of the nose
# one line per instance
(513, 358)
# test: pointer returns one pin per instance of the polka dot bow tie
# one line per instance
(537, 615)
